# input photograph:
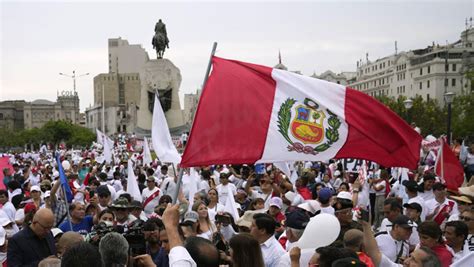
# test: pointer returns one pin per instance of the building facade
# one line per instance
(191, 102)
(343, 78)
(428, 72)
(18, 114)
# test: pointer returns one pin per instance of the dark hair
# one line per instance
(206, 174)
(153, 224)
(104, 211)
(164, 168)
(247, 252)
(203, 252)
(431, 229)
(394, 203)
(4, 192)
(460, 228)
(141, 178)
(346, 184)
(73, 206)
(329, 254)
(150, 172)
(13, 185)
(265, 221)
(75, 256)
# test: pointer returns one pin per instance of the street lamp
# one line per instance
(448, 98)
(74, 76)
(408, 105)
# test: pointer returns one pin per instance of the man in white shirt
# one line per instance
(426, 191)
(150, 196)
(411, 188)
(263, 229)
(295, 224)
(455, 234)
(393, 243)
(440, 208)
(225, 188)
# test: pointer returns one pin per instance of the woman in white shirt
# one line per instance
(214, 206)
(205, 228)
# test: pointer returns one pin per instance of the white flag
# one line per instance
(161, 138)
(132, 184)
(146, 153)
(283, 166)
(102, 138)
(107, 152)
(193, 186)
(230, 205)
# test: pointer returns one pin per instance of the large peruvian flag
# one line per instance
(250, 113)
(448, 167)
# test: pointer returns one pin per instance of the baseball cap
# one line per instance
(337, 173)
(47, 194)
(324, 194)
(414, 206)
(276, 201)
(297, 219)
(311, 206)
(403, 221)
(45, 183)
(247, 218)
(35, 188)
(410, 185)
(30, 207)
(191, 216)
(56, 232)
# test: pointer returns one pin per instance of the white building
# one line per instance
(428, 72)
(124, 57)
(191, 102)
(343, 78)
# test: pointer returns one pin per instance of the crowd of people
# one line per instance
(235, 215)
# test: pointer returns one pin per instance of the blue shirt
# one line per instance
(83, 228)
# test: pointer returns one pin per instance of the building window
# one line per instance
(427, 84)
(1, 116)
(446, 67)
(453, 82)
(446, 82)
(429, 69)
(427, 97)
(421, 71)
(454, 67)
(421, 85)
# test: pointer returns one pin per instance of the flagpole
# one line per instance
(67, 207)
(208, 70)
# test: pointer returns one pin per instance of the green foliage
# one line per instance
(53, 132)
(284, 117)
(431, 118)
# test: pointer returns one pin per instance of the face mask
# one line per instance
(108, 223)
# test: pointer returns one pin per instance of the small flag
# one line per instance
(63, 180)
(449, 168)
(132, 184)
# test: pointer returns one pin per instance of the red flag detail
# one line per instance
(449, 164)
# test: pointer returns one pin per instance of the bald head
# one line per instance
(42, 223)
(354, 239)
(68, 240)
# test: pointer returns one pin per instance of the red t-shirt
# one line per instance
(444, 256)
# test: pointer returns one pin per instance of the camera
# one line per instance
(136, 238)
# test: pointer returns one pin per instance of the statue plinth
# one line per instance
(162, 75)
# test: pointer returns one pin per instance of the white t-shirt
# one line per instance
(391, 247)
(150, 207)
(427, 195)
(224, 190)
(168, 187)
(328, 210)
(386, 226)
(380, 192)
(432, 204)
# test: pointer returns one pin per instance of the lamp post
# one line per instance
(74, 76)
(408, 105)
(448, 97)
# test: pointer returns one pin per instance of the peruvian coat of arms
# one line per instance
(310, 132)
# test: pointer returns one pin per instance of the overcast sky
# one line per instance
(41, 39)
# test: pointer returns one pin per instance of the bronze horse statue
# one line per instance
(160, 39)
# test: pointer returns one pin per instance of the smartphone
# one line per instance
(364, 215)
(91, 194)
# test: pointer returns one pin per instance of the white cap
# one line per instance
(47, 194)
(344, 195)
(310, 205)
(290, 195)
(56, 231)
(276, 201)
(337, 173)
(35, 188)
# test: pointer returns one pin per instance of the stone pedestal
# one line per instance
(159, 74)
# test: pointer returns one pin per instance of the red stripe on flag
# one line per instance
(232, 119)
(378, 134)
(449, 168)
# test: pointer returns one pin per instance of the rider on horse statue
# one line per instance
(160, 40)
